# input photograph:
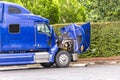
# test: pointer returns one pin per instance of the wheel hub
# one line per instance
(63, 59)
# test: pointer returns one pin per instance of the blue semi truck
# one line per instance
(26, 38)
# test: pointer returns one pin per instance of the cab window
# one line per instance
(47, 29)
(40, 28)
(43, 28)
(14, 28)
(13, 10)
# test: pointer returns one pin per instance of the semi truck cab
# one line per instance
(26, 38)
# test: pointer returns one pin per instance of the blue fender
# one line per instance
(53, 51)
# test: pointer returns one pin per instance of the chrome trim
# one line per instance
(75, 57)
(41, 57)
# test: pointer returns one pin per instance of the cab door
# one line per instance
(42, 39)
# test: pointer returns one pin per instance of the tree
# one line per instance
(72, 11)
(103, 10)
(67, 11)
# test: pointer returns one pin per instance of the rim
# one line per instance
(63, 59)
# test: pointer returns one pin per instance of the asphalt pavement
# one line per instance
(91, 72)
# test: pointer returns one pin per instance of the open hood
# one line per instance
(80, 35)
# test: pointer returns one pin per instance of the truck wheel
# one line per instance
(62, 59)
(46, 65)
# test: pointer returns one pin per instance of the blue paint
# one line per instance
(29, 39)
(74, 31)
(1, 12)
(14, 59)
(86, 41)
(53, 51)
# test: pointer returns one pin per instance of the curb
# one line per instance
(20, 67)
(99, 62)
(34, 66)
(79, 65)
(73, 64)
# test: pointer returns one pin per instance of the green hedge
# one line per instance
(105, 39)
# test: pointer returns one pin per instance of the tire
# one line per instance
(46, 65)
(62, 59)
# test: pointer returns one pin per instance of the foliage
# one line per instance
(66, 11)
(72, 11)
(45, 8)
(105, 39)
(103, 10)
